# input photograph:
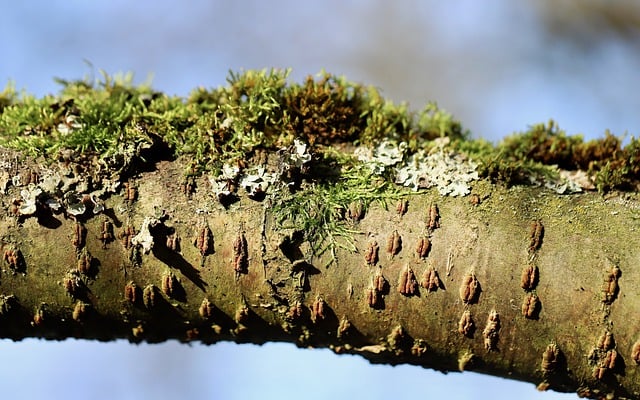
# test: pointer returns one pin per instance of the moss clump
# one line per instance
(84, 117)
(611, 165)
(326, 111)
(262, 110)
(320, 146)
(256, 110)
(321, 208)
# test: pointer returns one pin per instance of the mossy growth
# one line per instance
(609, 165)
(117, 122)
(321, 209)
(330, 142)
(256, 110)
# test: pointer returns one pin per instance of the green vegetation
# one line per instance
(256, 110)
(322, 209)
(263, 110)
(611, 165)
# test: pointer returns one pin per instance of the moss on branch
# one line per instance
(264, 110)
(272, 210)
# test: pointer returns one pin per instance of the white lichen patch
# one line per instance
(449, 172)
(567, 182)
(299, 154)
(388, 153)
(5, 181)
(144, 238)
(51, 182)
(74, 204)
(54, 189)
(257, 180)
(441, 168)
(29, 198)
(295, 161)
(98, 206)
(221, 184)
(220, 188)
(53, 204)
(69, 124)
(576, 181)
(229, 172)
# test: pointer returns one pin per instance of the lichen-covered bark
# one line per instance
(517, 282)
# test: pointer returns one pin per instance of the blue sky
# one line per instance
(489, 63)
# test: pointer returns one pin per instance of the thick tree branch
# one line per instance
(517, 281)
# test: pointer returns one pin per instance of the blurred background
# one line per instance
(497, 65)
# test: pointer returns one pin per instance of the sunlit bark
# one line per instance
(517, 282)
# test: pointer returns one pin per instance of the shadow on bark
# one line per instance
(175, 260)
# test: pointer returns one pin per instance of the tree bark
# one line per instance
(517, 282)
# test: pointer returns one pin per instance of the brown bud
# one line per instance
(530, 306)
(394, 243)
(550, 358)
(73, 284)
(434, 217)
(130, 192)
(80, 311)
(150, 296)
(79, 236)
(491, 331)
(169, 284)
(131, 292)
(470, 289)
(296, 310)
(537, 232)
(431, 280)
(84, 262)
(380, 283)
(106, 234)
(206, 309)
(355, 210)
(204, 240)
(402, 206)
(423, 247)
(407, 283)
(635, 352)
(173, 242)
(529, 279)
(466, 326)
(371, 254)
(240, 254)
(317, 310)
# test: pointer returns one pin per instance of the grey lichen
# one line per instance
(441, 167)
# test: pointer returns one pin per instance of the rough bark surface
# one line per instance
(518, 282)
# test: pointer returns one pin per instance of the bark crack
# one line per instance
(263, 239)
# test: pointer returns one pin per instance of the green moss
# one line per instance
(263, 110)
(325, 111)
(257, 109)
(7, 96)
(320, 210)
(83, 117)
(544, 143)
(611, 165)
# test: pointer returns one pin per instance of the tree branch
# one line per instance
(518, 281)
